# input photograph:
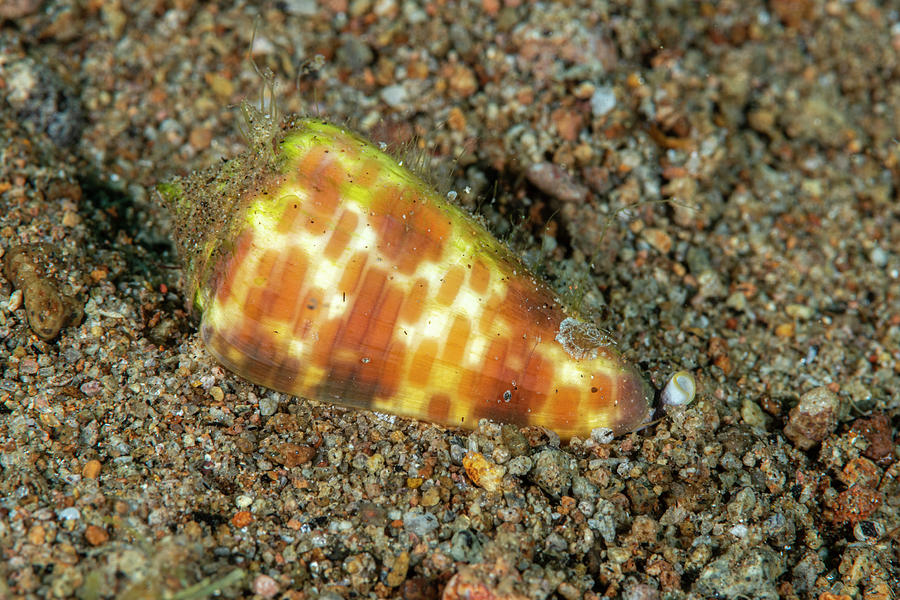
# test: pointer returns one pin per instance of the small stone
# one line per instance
(752, 414)
(220, 86)
(497, 580)
(483, 472)
(37, 534)
(463, 81)
(265, 586)
(868, 531)
(456, 119)
(742, 572)
(241, 519)
(431, 497)
(200, 138)
(603, 100)
(553, 471)
(568, 123)
(879, 256)
(711, 285)
(15, 301)
(813, 419)
(397, 574)
(394, 96)
(785, 330)
(69, 514)
(267, 406)
(762, 120)
(217, 394)
(91, 469)
(96, 536)
(91, 388)
(860, 471)
(28, 366)
(554, 181)
(583, 153)
(518, 466)
(360, 7)
(659, 239)
(70, 219)
(877, 432)
(419, 523)
(640, 591)
(465, 546)
(793, 13)
(618, 555)
(584, 90)
(800, 312)
(354, 53)
(375, 463)
(855, 504)
(514, 440)
(293, 455)
(737, 301)
(16, 9)
(304, 8)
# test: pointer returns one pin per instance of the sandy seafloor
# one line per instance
(760, 142)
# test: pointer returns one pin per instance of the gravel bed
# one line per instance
(716, 183)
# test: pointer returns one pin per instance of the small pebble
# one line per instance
(37, 534)
(16, 9)
(241, 519)
(265, 586)
(553, 471)
(554, 181)
(69, 514)
(15, 301)
(813, 419)
(91, 469)
(800, 312)
(398, 570)
(95, 536)
(483, 472)
(603, 100)
(394, 96)
(420, 523)
(267, 406)
(658, 238)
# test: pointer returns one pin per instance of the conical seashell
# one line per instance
(325, 269)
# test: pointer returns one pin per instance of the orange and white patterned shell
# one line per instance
(339, 275)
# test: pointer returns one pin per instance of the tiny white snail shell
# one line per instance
(679, 391)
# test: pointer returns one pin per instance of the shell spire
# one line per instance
(325, 269)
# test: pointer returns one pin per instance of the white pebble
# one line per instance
(69, 514)
(603, 100)
(394, 95)
(602, 435)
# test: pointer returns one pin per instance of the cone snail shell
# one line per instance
(323, 268)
